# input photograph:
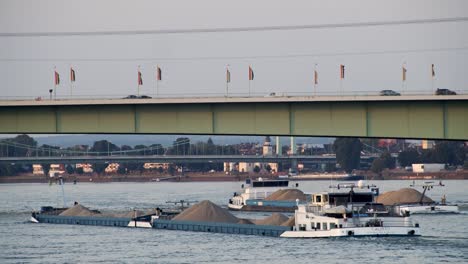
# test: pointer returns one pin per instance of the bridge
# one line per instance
(408, 116)
(311, 159)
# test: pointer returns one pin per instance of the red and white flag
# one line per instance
(140, 79)
(158, 74)
(57, 78)
(251, 74)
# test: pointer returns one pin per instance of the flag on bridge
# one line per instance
(315, 77)
(404, 72)
(251, 74)
(228, 76)
(158, 74)
(140, 79)
(72, 75)
(342, 71)
(433, 71)
(57, 78)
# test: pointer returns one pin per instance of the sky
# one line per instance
(106, 41)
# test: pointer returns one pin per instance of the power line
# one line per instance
(234, 29)
(160, 59)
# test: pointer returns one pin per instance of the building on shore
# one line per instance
(87, 168)
(37, 169)
(155, 166)
(112, 168)
(250, 167)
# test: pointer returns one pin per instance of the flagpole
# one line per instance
(228, 79)
(403, 79)
(315, 80)
(433, 77)
(157, 79)
(55, 82)
(138, 81)
(71, 84)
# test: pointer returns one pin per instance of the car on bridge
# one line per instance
(132, 96)
(389, 93)
(444, 92)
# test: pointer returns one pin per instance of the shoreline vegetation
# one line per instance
(216, 177)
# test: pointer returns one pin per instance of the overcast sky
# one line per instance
(195, 63)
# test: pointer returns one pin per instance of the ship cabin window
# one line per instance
(324, 226)
(312, 225)
(317, 227)
(332, 225)
(325, 198)
(318, 199)
(270, 183)
(302, 227)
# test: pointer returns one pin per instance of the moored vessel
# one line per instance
(255, 196)
(342, 214)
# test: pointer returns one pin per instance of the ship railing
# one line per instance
(386, 222)
(314, 209)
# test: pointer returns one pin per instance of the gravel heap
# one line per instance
(402, 196)
(274, 219)
(290, 222)
(78, 210)
(287, 195)
(245, 221)
(208, 212)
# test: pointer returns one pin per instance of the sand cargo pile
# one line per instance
(276, 219)
(402, 196)
(206, 211)
(287, 195)
(79, 210)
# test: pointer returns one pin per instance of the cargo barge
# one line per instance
(329, 214)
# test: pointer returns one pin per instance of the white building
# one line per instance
(428, 167)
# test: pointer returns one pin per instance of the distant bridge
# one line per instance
(409, 116)
(175, 159)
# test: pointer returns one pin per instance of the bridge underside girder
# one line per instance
(393, 119)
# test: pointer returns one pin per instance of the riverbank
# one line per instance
(217, 177)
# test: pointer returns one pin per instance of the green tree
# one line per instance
(377, 165)
(268, 168)
(24, 146)
(465, 165)
(141, 149)
(8, 170)
(171, 170)
(125, 149)
(70, 169)
(46, 169)
(330, 167)
(104, 147)
(449, 152)
(121, 170)
(388, 160)
(80, 170)
(181, 146)
(348, 153)
(157, 149)
(408, 157)
(256, 169)
(99, 167)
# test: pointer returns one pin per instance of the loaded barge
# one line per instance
(329, 214)
(52, 215)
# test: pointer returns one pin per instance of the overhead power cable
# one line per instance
(302, 55)
(234, 29)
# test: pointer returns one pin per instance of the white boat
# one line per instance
(435, 208)
(256, 190)
(429, 208)
(344, 214)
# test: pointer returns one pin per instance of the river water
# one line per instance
(444, 237)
